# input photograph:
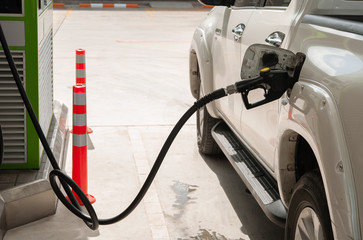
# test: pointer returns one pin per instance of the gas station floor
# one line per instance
(137, 88)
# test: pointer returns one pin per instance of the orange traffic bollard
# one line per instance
(81, 66)
(79, 154)
(81, 71)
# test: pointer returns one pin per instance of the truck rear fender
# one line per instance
(312, 114)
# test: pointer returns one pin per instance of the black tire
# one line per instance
(308, 202)
(205, 123)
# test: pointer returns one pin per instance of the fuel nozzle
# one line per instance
(273, 82)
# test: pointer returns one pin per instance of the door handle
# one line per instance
(238, 31)
(275, 38)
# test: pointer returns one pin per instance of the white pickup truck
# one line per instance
(300, 155)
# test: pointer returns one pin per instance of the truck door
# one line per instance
(227, 56)
(272, 24)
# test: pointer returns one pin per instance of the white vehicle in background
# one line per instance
(301, 156)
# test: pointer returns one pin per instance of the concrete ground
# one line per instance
(137, 88)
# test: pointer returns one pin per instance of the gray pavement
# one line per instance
(137, 88)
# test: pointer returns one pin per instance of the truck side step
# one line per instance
(261, 184)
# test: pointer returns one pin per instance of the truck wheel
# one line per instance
(205, 123)
(308, 216)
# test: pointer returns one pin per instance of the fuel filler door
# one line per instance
(270, 69)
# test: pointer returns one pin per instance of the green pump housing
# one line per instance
(28, 27)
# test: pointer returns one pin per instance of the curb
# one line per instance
(100, 5)
(58, 5)
(110, 5)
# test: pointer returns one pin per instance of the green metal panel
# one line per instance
(31, 66)
(32, 16)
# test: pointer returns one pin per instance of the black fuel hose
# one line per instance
(62, 176)
(92, 220)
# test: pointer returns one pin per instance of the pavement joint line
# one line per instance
(154, 212)
(60, 25)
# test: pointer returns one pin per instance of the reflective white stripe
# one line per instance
(79, 120)
(97, 5)
(79, 98)
(120, 5)
(80, 73)
(80, 58)
(79, 140)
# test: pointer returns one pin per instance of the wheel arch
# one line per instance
(201, 68)
(306, 142)
(296, 157)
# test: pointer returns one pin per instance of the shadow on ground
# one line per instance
(254, 222)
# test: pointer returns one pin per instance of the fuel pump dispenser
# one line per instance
(25, 192)
(28, 25)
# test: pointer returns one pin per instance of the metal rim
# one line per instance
(308, 225)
